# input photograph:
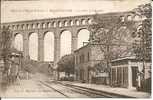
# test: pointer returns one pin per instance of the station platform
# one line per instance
(132, 93)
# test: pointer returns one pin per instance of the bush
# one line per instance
(145, 85)
(67, 79)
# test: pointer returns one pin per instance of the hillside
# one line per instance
(34, 66)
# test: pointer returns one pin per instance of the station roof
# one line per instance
(124, 58)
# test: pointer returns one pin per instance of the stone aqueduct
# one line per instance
(57, 26)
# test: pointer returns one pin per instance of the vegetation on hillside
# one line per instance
(66, 64)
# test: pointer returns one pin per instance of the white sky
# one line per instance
(49, 47)
(18, 42)
(33, 46)
(65, 43)
(28, 10)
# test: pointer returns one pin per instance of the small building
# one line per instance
(1, 69)
(126, 72)
(86, 58)
(12, 64)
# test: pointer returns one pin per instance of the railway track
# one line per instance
(89, 92)
(49, 86)
(81, 90)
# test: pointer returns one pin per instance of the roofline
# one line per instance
(124, 58)
(81, 47)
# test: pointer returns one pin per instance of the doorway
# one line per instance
(134, 76)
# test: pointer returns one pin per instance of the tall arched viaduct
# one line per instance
(57, 26)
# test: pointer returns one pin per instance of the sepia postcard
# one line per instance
(76, 48)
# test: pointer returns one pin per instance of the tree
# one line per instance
(5, 44)
(114, 37)
(144, 10)
(110, 36)
(29, 66)
(66, 64)
(142, 44)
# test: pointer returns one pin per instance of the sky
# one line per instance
(39, 9)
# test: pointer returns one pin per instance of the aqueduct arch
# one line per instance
(48, 46)
(57, 25)
(82, 36)
(18, 41)
(33, 46)
(65, 42)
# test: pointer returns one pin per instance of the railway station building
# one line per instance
(86, 58)
(126, 72)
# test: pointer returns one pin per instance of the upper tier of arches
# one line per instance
(66, 21)
(52, 23)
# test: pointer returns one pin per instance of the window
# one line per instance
(129, 17)
(8, 26)
(83, 60)
(71, 22)
(122, 18)
(48, 24)
(43, 25)
(17, 26)
(13, 27)
(80, 60)
(83, 21)
(22, 26)
(77, 22)
(89, 21)
(65, 23)
(59, 24)
(114, 78)
(33, 26)
(28, 26)
(88, 56)
(54, 24)
(119, 76)
(76, 60)
(125, 76)
(38, 25)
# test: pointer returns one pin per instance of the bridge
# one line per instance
(57, 25)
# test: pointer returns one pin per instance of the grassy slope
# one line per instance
(35, 66)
